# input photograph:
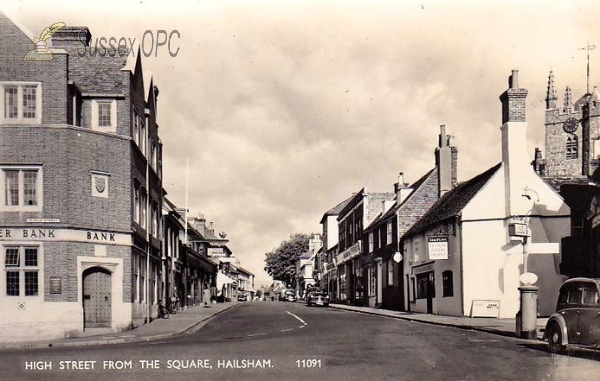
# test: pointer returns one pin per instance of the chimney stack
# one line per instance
(69, 36)
(515, 160)
(401, 189)
(445, 162)
(513, 100)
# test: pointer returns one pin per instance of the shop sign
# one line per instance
(517, 230)
(428, 267)
(68, 235)
(438, 247)
(349, 253)
(216, 252)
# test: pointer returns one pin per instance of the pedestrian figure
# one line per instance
(206, 297)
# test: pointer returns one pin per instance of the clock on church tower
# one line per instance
(570, 125)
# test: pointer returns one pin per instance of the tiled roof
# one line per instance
(336, 209)
(557, 182)
(97, 74)
(453, 202)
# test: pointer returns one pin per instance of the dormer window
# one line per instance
(104, 115)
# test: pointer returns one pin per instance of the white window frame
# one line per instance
(389, 232)
(390, 273)
(22, 269)
(154, 156)
(143, 208)
(113, 115)
(136, 202)
(371, 242)
(143, 137)
(154, 221)
(136, 127)
(39, 188)
(20, 119)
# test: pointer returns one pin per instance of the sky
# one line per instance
(283, 109)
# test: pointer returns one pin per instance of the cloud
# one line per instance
(284, 110)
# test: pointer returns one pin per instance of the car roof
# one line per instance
(582, 279)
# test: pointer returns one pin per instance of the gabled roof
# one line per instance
(452, 203)
(415, 186)
(336, 209)
(394, 209)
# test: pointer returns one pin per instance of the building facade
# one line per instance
(358, 213)
(465, 256)
(82, 189)
(382, 254)
(328, 268)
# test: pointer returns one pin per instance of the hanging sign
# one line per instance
(438, 247)
(517, 230)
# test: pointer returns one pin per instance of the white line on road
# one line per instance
(287, 330)
(301, 321)
(256, 334)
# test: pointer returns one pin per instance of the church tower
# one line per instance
(572, 134)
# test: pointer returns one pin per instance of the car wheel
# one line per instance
(554, 335)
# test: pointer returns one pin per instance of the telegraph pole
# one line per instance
(588, 48)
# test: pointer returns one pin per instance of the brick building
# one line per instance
(81, 187)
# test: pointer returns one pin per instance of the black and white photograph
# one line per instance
(299, 190)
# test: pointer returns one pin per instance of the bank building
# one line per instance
(81, 185)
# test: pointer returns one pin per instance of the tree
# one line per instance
(280, 263)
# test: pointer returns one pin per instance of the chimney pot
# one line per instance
(513, 81)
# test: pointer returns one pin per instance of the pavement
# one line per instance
(196, 317)
(177, 324)
(504, 327)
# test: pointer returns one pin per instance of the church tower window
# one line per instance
(572, 148)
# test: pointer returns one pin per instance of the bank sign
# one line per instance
(438, 247)
(65, 235)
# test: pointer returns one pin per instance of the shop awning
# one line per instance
(201, 263)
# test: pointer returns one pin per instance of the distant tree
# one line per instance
(281, 262)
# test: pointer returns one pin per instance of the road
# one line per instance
(289, 341)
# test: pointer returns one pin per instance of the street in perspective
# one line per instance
(264, 340)
(299, 191)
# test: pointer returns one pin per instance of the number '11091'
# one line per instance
(309, 363)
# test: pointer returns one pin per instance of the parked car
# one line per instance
(242, 297)
(317, 297)
(289, 296)
(577, 318)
